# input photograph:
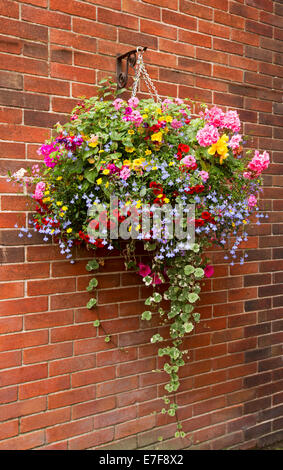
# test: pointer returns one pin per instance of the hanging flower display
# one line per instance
(146, 171)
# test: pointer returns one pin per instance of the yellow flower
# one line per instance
(46, 193)
(46, 199)
(148, 152)
(157, 137)
(64, 208)
(129, 149)
(80, 177)
(131, 132)
(168, 119)
(59, 178)
(159, 111)
(166, 200)
(69, 230)
(127, 162)
(92, 144)
(146, 110)
(91, 160)
(220, 147)
(138, 161)
(106, 184)
(139, 204)
(106, 172)
(99, 181)
(154, 168)
(144, 116)
(171, 163)
(59, 203)
(93, 141)
(100, 151)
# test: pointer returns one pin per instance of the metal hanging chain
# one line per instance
(141, 71)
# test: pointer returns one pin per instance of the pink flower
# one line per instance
(208, 270)
(247, 175)
(208, 135)
(252, 201)
(204, 175)
(179, 101)
(259, 163)
(156, 279)
(39, 190)
(214, 116)
(189, 161)
(234, 142)
(144, 270)
(125, 173)
(117, 103)
(133, 102)
(231, 121)
(176, 124)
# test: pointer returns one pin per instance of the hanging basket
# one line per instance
(121, 172)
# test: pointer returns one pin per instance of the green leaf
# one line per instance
(92, 284)
(188, 269)
(188, 326)
(192, 298)
(107, 339)
(92, 265)
(157, 297)
(96, 323)
(91, 303)
(196, 317)
(146, 315)
(199, 273)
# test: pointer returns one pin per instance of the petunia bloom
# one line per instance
(208, 270)
(144, 270)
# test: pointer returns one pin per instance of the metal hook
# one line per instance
(131, 56)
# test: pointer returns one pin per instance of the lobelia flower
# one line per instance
(144, 270)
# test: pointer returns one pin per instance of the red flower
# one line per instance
(206, 215)
(199, 222)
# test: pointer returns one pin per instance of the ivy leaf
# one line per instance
(146, 315)
(157, 297)
(91, 303)
(92, 284)
(196, 317)
(188, 269)
(192, 298)
(96, 323)
(199, 273)
(188, 326)
(92, 265)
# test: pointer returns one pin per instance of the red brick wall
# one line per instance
(61, 385)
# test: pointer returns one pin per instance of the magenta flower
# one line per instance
(156, 279)
(208, 270)
(144, 270)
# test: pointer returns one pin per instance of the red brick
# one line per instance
(70, 397)
(22, 408)
(158, 29)
(147, 11)
(48, 418)
(72, 364)
(92, 439)
(117, 19)
(46, 353)
(97, 375)
(23, 374)
(93, 407)
(23, 442)
(9, 429)
(58, 433)
(73, 7)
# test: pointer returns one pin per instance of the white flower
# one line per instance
(19, 174)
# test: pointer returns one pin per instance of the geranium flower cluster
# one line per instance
(159, 155)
